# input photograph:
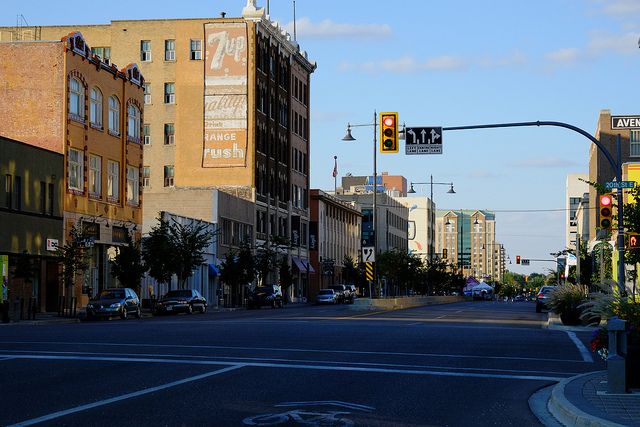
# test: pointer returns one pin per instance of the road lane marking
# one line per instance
(586, 356)
(296, 366)
(240, 359)
(296, 350)
(81, 408)
(439, 319)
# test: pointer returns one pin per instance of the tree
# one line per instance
(402, 270)
(267, 257)
(350, 271)
(286, 277)
(189, 242)
(238, 269)
(73, 255)
(127, 265)
(158, 252)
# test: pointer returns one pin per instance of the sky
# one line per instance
(445, 63)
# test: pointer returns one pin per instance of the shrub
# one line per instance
(566, 299)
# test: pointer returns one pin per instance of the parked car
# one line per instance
(265, 295)
(341, 293)
(326, 296)
(182, 300)
(353, 292)
(114, 302)
(543, 297)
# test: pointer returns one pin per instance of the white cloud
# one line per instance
(602, 42)
(550, 162)
(445, 63)
(514, 59)
(622, 8)
(329, 29)
(564, 56)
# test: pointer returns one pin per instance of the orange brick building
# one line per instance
(57, 95)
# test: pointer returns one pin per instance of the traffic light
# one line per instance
(606, 211)
(634, 241)
(388, 132)
(517, 259)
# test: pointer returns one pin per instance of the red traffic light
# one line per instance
(389, 132)
(517, 259)
(388, 121)
(606, 200)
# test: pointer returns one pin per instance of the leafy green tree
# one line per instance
(349, 270)
(440, 278)
(267, 257)
(127, 265)
(158, 252)
(402, 270)
(73, 255)
(189, 242)
(286, 277)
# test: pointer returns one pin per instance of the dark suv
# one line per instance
(265, 295)
(543, 298)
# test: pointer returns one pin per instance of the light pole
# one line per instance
(349, 137)
(432, 218)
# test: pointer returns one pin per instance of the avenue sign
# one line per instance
(423, 140)
(625, 122)
(610, 185)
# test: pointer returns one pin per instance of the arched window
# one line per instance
(95, 110)
(114, 115)
(76, 99)
(133, 122)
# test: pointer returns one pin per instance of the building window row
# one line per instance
(75, 182)
(299, 161)
(96, 101)
(13, 194)
(195, 50)
(235, 233)
(300, 125)
(299, 90)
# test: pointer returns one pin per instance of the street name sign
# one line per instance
(610, 185)
(423, 140)
(625, 122)
(525, 261)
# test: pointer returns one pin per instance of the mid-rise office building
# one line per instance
(227, 106)
(576, 186)
(59, 96)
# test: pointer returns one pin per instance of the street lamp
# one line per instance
(432, 218)
(349, 137)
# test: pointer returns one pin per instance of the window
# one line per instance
(133, 185)
(147, 93)
(76, 100)
(169, 93)
(103, 52)
(133, 123)
(146, 130)
(146, 176)
(43, 197)
(95, 108)
(52, 198)
(196, 50)
(114, 116)
(168, 176)
(17, 191)
(76, 169)
(95, 176)
(145, 50)
(169, 50)
(634, 139)
(169, 133)
(113, 180)
(8, 190)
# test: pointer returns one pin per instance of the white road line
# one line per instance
(6, 358)
(81, 408)
(240, 359)
(586, 356)
(292, 350)
(300, 366)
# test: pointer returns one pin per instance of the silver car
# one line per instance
(543, 298)
(326, 296)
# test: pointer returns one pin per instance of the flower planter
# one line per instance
(633, 366)
(570, 318)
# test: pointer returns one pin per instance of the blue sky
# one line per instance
(447, 63)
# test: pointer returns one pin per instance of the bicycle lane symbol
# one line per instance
(311, 417)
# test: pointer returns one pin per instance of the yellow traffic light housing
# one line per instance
(606, 211)
(389, 132)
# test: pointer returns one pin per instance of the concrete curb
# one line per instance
(399, 303)
(565, 412)
(554, 323)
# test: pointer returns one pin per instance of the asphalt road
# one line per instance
(448, 365)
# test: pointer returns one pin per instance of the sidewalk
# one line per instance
(583, 400)
(43, 319)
